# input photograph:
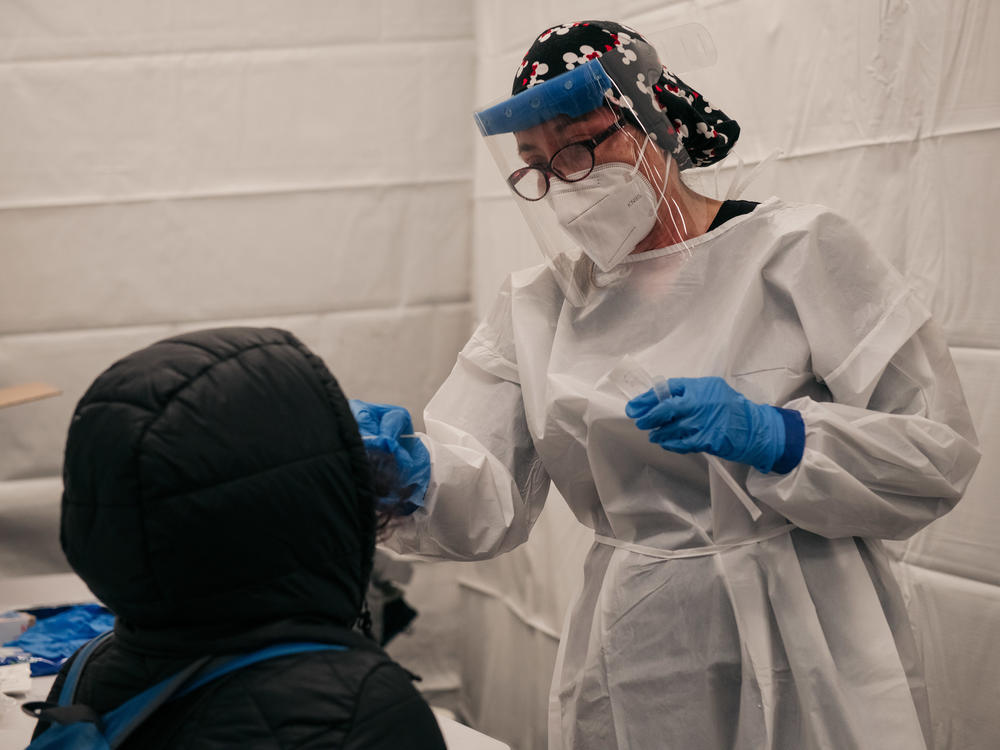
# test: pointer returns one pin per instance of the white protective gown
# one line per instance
(697, 627)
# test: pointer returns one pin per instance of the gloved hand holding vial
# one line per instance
(688, 415)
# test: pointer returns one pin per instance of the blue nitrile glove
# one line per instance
(54, 639)
(707, 415)
(388, 434)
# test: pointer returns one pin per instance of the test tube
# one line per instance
(661, 388)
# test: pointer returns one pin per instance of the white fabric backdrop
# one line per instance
(887, 112)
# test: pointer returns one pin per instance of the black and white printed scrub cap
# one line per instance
(676, 116)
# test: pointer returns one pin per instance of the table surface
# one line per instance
(15, 725)
(67, 588)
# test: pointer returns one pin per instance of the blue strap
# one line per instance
(245, 660)
(68, 692)
(122, 721)
(118, 724)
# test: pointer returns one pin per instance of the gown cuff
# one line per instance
(795, 441)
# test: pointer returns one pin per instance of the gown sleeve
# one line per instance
(895, 446)
(487, 483)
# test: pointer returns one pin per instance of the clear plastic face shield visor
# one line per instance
(593, 183)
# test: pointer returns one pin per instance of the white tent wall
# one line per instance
(889, 113)
(172, 166)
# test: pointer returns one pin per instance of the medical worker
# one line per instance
(805, 406)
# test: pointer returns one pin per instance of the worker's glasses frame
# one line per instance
(571, 163)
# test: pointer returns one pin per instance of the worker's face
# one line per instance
(627, 145)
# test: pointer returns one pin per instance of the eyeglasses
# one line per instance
(571, 163)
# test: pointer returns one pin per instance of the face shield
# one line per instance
(592, 162)
(590, 180)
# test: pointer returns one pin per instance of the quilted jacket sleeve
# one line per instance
(391, 715)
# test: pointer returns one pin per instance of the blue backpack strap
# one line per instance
(116, 725)
(225, 665)
(68, 691)
(122, 721)
(63, 711)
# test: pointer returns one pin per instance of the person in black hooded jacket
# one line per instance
(218, 499)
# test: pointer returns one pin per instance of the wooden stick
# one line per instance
(20, 394)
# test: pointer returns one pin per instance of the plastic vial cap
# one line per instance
(661, 388)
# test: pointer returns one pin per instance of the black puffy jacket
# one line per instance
(218, 499)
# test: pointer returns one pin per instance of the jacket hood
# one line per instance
(216, 481)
